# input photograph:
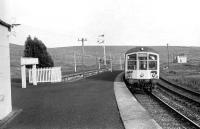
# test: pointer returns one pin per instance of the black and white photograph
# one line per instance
(99, 64)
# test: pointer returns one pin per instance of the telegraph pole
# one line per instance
(74, 62)
(110, 62)
(99, 63)
(104, 54)
(168, 54)
(83, 53)
(96, 61)
(120, 60)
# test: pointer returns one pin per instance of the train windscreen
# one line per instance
(152, 62)
(142, 61)
(145, 61)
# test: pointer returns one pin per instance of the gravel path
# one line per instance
(85, 104)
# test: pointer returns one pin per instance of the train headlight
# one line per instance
(154, 74)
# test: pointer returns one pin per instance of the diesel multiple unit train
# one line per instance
(142, 68)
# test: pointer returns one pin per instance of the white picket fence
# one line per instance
(52, 74)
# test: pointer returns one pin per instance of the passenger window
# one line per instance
(143, 65)
(152, 65)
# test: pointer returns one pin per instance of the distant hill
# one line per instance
(64, 56)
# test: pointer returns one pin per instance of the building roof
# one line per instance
(5, 24)
(181, 54)
(141, 49)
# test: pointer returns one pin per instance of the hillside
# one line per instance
(64, 57)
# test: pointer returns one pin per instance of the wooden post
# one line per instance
(23, 75)
(110, 62)
(74, 62)
(28, 61)
(34, 75)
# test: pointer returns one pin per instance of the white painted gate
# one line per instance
(52, 74)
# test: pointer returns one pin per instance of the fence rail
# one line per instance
(52, 74)
(76, 76)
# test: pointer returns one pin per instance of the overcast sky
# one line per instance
(124, 22)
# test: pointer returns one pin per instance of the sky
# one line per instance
(60, 23)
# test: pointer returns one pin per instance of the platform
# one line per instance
(133, 115)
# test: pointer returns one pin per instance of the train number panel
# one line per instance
(142, 68)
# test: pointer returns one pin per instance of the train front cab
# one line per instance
(142, 69)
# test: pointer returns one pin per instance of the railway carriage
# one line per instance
(142, 68)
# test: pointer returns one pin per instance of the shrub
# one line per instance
(35, 48)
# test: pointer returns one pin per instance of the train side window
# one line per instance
(152, 65)
(143, 65)
(132, 65)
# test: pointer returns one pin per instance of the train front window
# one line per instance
(142, 61)
(152, 57)
(132, 62)
(152, 65)
(132, 57)
(152, 62)
(143, 65)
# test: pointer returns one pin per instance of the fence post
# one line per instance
(34, 74)
(23, 74)
(45, 75)
(60, 73)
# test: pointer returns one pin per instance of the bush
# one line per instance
(35, 48)
(172, 72)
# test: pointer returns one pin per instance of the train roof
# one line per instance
(141, 49)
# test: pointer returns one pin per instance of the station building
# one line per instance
(181, 58)
(5, 79)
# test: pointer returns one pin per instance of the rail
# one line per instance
(177, 111)
(188, 97)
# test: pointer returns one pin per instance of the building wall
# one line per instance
(5, 81)
(182, 59)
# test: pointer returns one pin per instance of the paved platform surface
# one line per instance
(133, 115)
(86, 104)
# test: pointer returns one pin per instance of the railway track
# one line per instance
(162, 113)
(181, 100)
(170, 111)
(180, 110)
